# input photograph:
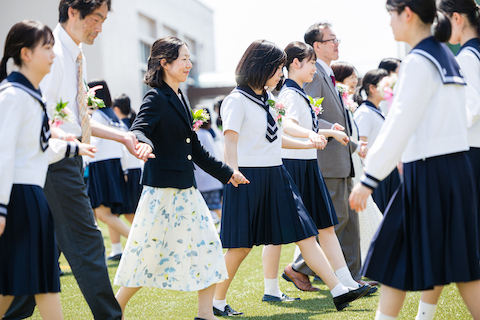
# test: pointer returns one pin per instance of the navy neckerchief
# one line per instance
(292, 85)
(472, 45)
(262, 101)
(112, 118)
(443, 59)
(18, 80)
(371, 106)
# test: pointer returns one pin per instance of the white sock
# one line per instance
(271, 287)
(338, 290)
(116, 248)
(220, 304)
(345, 277)
(381, 316)
(426, 311)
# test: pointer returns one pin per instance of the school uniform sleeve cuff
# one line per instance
(369, 181)
(3, 210)
(72, 150)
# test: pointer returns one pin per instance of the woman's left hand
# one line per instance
(358, 197)
(238, 178)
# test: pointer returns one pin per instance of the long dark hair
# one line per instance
(343, 70)
(25, 34)
(102, 93)
(427, 11)
(259, 63)
(167, 48)
(371, 77)
(299, 50)
(467, 7)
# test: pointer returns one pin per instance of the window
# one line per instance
(147, 26)
(169, 31)
(144, 51)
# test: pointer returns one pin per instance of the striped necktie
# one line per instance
(82, 104)
(272, 127)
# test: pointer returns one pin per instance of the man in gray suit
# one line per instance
(335, 160)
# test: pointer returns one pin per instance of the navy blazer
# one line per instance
(163, 123)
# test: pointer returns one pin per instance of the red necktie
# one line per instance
(333, 80)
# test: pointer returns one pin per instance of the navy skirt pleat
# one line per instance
(385, 190)
(474, 156)
(28, 249)
(106, 185)
(316, 198)
(429, 234)
(269, 210)
(133, 190)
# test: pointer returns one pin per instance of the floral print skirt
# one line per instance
(172, 244)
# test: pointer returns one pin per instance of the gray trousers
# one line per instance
(79, 239)
(347, 229)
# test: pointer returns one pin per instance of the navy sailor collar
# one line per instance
(443, 59)
(372, 107)
(261, 100)
(111, 117)
(292, 85)
(472, 45)
(17, 77)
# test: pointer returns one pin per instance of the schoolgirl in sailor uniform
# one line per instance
(173, 243)
(300, 122)
(429, 234)
(28, 250)
(269, 210)
(464, 16)
(369, 119)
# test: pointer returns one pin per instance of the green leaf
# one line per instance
(319, 102)
(271, 103)
(198, 113)
(311, 100)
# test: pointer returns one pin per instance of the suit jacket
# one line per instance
(165, 125)
(335, 160)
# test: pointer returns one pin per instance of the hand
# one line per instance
(70, 137)
(144, 151)
(400, 167)
(130, 142)
(3, 221)
(336, 126)
(363, 149)
(318, 141)
(86, 149)
(341, 137)
(238, 178)
(358, 197)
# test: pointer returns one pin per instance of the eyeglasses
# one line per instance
(334, 40)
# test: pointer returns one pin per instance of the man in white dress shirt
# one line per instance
(77, 234)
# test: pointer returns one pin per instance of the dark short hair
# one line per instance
(300, 51)
(259, 63)
(167, 48)
(102, 93)
(24, 34)
(343, 70)
(122, 101)
(85, 7)
(315, 32)
(371, 77)
(389, 64)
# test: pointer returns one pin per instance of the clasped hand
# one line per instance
(238, 178)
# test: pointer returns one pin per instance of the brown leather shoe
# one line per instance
(300, 280)
(370, 283)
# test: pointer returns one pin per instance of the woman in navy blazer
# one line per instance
(173, 243)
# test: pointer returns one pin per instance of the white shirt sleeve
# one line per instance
(51, 84)
(417, 83)
(233, 113)
(57, 149)
(470, 66)
(292, 105)
(363, 120)
(10, 125)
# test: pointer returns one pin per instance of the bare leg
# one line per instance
(218, 212)
(129, 217)
(317, 261)
(470, 292)
(271, 261)
(105, 215)
(114, 235)
(233, 259)
(5, 302)
(124, 294)
(431, 296)
(49, 306)
(331, 247)
(205, 299)
(391, 301)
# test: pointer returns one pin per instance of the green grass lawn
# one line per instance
(245, 294)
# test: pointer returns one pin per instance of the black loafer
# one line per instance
(372, 290)
(228, 312)
(341, 302)
(197, 318)
(116, 257)
(284, 298)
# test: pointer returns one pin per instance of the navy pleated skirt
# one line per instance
(106, 185)
(316, 198)
(429, 234)
(385, 190)
(28, 249)
(269, 210)
(133, 190)
(474, 156)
